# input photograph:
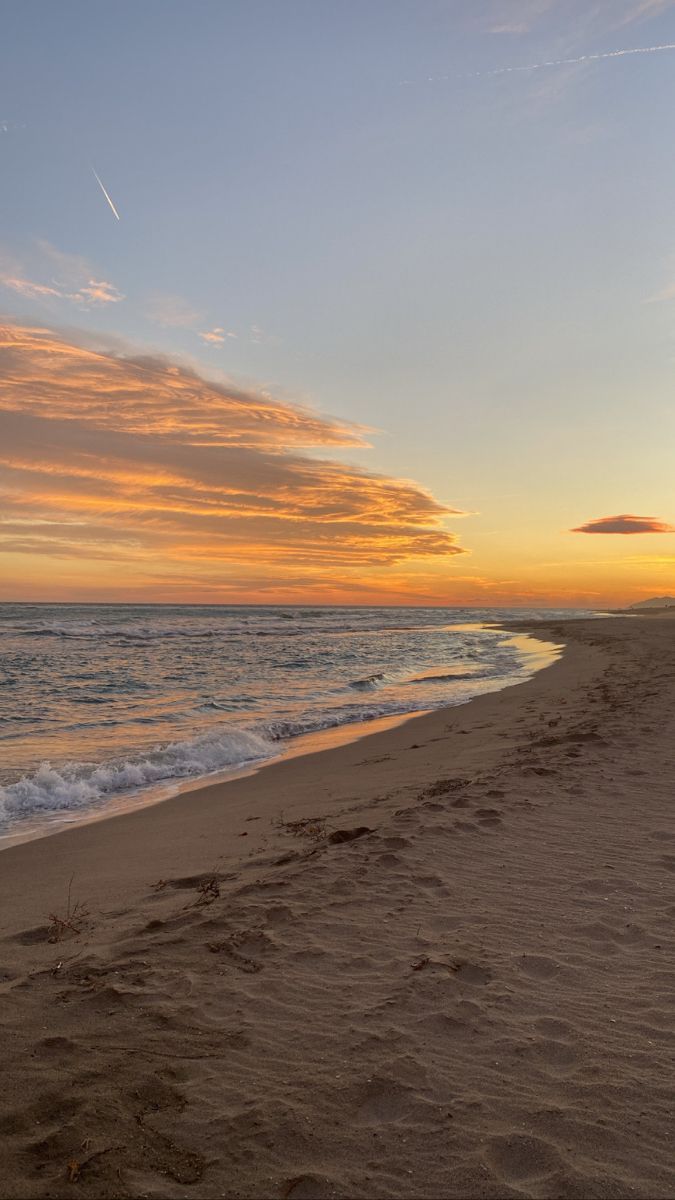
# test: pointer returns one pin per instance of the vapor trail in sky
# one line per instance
(557, 62)
(106, 195)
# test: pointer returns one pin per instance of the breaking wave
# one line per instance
(78, 785)
(370, 683)
(119, 700)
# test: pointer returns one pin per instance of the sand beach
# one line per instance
(435, 962)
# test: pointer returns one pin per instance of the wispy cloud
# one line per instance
(625, 523)
(172, 311)
(218, 335)
(546, 64)
(259, 337)
(72, 277)
(95, 292)
(98, 291)
(519, 17)
(214, 337)
(185, 474)
(644, 10)
(26, 287)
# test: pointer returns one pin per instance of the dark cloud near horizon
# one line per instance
(625, 523)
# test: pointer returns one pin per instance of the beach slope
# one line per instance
(437, 962)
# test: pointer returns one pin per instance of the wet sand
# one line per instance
(434, 962)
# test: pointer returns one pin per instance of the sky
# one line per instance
(368, 314)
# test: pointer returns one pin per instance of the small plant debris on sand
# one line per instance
(209, 890)
(310, 827)
(71, 921)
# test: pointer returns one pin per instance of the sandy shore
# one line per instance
(435, 962)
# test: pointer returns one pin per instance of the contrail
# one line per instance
(556, 62)
(106, 195)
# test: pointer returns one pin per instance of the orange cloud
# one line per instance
(45, 375)
(34, 291)
(625, 523)
(136, 460)
(71, 278)
(214, 336)
(97, 291)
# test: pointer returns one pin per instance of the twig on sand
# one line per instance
(71, 922)
(209, 890)
(309, 827)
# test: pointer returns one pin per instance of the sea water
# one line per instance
(99, 702)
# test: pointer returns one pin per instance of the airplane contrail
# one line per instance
(106, 195)
(556, 62)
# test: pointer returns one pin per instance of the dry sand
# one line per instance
(454, 980)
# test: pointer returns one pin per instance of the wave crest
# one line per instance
(77, 785)
(370, 683)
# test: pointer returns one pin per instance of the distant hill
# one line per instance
(657, 602)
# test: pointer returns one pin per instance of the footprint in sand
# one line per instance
(310, 1187)
(56, 1046)
(383, 1101)
(388, 860)
(444, 1025)
(279, 914)
(488, 816)
(386, 1101)
(538, 966)
(554, 1027)
(517, 1158)
(473, 973)
(555, 1054)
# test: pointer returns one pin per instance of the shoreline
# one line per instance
(432, 961)
(50, 823)
(246, 793)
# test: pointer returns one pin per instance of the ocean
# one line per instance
(102, 703)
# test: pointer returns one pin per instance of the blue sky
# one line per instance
(364, 219)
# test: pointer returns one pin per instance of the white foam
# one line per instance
(79, 785)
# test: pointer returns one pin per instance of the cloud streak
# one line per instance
(115, 212)
(581, 58)
(625, 523)
(518, 18)
(72, 278)
(171, 311)
(135, 460)
(94, 292)
(523, 16)
(529, 68)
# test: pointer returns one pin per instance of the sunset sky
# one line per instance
(381, 320)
